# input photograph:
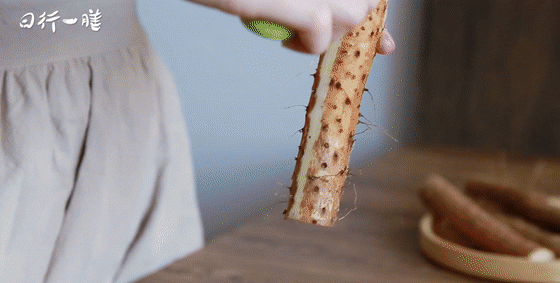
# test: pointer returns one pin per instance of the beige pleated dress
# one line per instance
(96, 178)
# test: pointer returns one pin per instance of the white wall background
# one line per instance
(234, 88)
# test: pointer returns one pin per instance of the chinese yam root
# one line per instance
(332, 117)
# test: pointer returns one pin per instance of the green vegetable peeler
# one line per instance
(268, 29)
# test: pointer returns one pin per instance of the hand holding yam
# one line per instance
(314, 23)
(332, 117)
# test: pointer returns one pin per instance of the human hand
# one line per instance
(316, 23)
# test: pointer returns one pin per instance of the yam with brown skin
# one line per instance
(445, 200)
(529, 230)
(445, 229)
(332, 116)
(539, 207)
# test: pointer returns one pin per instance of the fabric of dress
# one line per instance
(96, 177)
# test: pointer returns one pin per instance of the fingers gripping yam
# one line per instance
(330, 124)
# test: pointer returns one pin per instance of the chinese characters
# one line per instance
(91, 20)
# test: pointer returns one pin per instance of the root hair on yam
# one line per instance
(313, 61)
(298, 131)
(276, 194)
(369, 126)
(355, 201)
(305, 106)
(370, 95)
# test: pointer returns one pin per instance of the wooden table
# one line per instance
(378, 242)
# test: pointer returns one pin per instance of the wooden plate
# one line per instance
(484, 264)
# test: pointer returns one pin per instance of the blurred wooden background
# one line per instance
(490, 76)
